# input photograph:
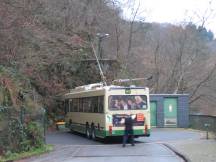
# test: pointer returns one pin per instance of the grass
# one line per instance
(32, 152)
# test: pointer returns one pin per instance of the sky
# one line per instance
(174, 11)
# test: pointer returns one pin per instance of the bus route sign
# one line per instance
(127, 91)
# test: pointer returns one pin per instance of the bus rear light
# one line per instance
(110, 129)
(146, 129)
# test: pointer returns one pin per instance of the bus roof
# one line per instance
(97, 89)
(100, 86)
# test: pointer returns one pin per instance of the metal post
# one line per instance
(207, 130)
(100, 38)
(22, 115)
(99, 53)
(44, 124)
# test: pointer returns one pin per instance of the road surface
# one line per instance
(107, 153)
(76, 148)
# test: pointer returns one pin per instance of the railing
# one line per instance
(20, 130)
(203, 122)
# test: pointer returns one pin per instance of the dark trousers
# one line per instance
(126, 135)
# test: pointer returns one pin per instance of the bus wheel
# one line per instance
(71, 130)
(70, 126)
(88, 135)
(93, 133)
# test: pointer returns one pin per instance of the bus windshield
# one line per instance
(127, 102)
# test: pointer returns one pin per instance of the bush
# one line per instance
(12, 136)
(35, 134)
(16, 137)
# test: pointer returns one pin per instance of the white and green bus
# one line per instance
(98, 110)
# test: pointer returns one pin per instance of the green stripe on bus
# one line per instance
(121, 132)
(78, 128)
(106, 133)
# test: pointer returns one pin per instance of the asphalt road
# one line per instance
(106, 153)
(68, 138)
(157, 135)
(76, 148)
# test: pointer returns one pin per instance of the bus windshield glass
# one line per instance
(127, 102)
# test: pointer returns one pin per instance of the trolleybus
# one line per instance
(98, 111)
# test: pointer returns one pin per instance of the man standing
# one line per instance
(128, 130)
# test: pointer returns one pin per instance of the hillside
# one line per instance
(46, 41)
(16, 91)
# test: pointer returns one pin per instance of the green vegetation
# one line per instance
(32, 152)
(21, 118)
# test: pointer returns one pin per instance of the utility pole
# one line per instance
(100, 36)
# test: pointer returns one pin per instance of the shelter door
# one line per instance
(153, 112)
(170, 112)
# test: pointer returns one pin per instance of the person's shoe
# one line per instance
(123, 145)
(132, 144)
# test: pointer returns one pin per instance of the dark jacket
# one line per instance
(128, 123)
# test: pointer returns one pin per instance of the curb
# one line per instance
(184, 157)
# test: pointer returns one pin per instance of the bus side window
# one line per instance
(94, 104)
(66, 106)
(75, 105)
(84, 105)
(101, 104)
(70, 107)
(81, 107)
(89, 101)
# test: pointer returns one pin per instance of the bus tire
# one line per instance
(93, 135)
(88, 134)
(70, 126)
(71, 130)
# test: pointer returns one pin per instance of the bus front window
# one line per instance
(127, 102)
